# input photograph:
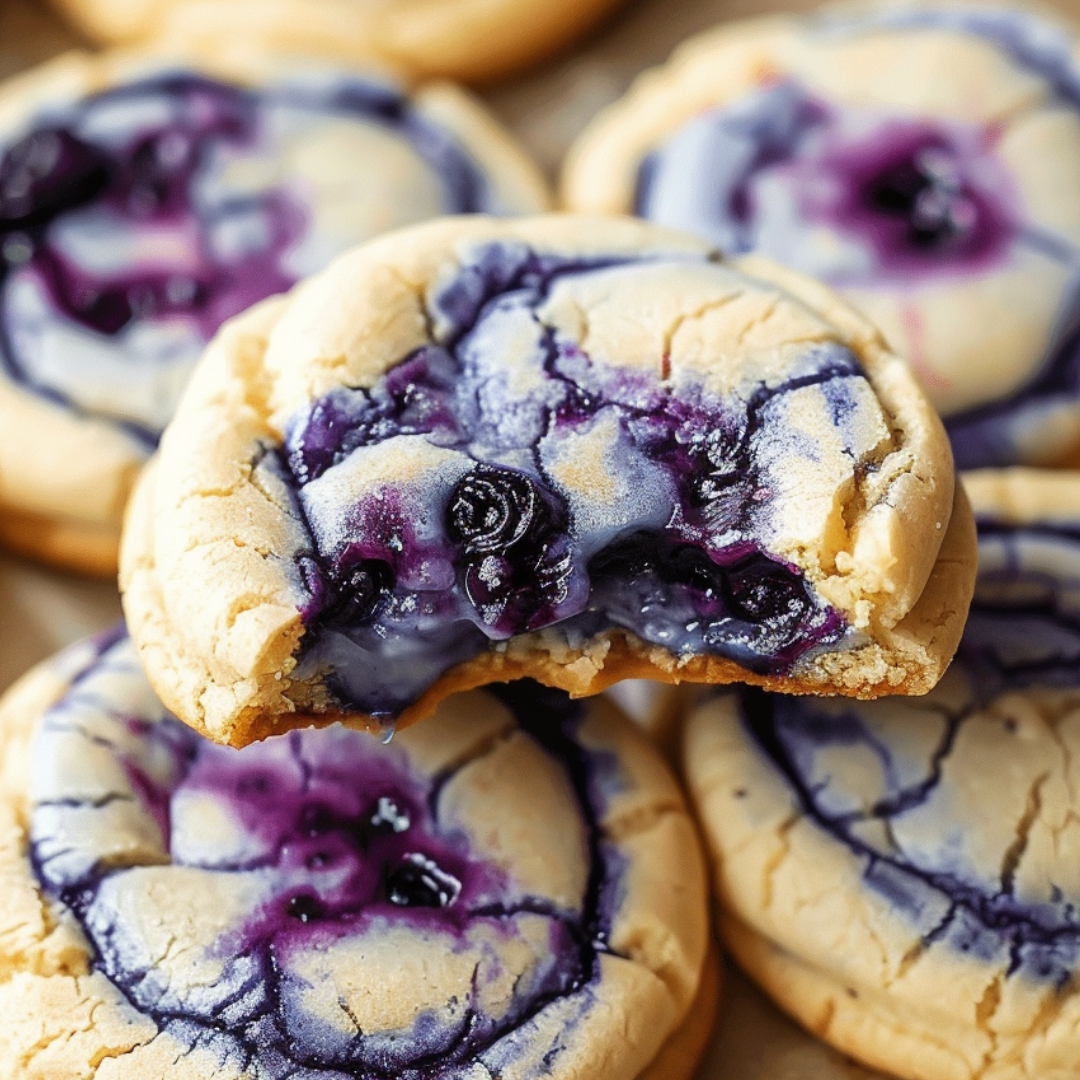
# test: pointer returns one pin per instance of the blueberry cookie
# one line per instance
(472, 40)
(925, 162)
(574, 449)
(901, 875)
(513, 888)
(143, 203)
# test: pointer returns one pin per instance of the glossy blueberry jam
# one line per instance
(308, 857)
(913, 835)
(894, 206)
(502, 525)
(135, 222)
(901, 200)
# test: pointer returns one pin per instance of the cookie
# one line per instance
(472, 40)
(656, 707)
(900, 875)
(142, 203)
(924, 161)
(515, 886)
(575, 449)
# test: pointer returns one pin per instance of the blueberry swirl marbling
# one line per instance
(499, 526)
(137, 220)
(905, 845)
(326, 906)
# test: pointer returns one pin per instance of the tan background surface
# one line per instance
(41, 610)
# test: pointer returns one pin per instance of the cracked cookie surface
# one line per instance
(513, 888)
(924, 161)
(901, 874)
(570, 449)
(144, 202)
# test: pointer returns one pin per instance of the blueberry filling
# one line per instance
(492, 509)
(129, 229)
(1023, 635)
(45, 174)
(926, 192)
(306, 848)
(594, 498)
(360, 592)
(903, 200)
(417, 881)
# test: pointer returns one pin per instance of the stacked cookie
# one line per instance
(468, 452)
(900, 874)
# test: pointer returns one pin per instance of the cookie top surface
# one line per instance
(486, 895)
(945, 827)
(470, 40)
(924, 161)
(143, 203)
(474, 434)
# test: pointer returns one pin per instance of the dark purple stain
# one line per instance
(396, 595)
(148, 178)
(924, 200)
(906, 193)
(349, 834)
(1023, 633)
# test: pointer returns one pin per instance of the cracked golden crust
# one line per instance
(70, 545)
(69, 475)
(657, 1002)
(470, 40)
(1022, 496)
(208, 546)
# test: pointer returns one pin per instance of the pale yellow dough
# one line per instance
(471, 40)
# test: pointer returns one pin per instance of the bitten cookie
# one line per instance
(472, 40)
(575, 449)
(902, 875)
(142, 203)
(513, 888)
(924, 161)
